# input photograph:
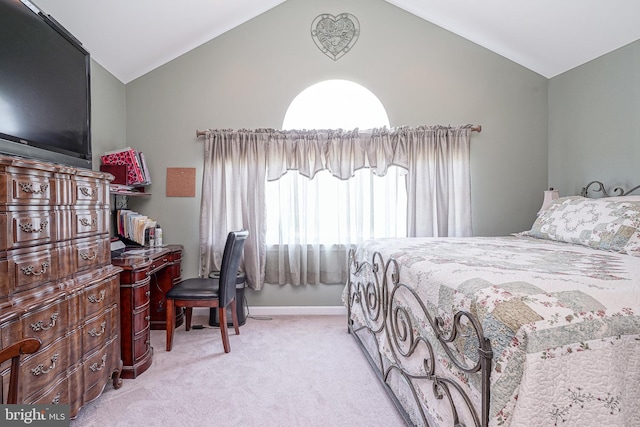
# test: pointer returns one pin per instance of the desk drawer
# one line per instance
(141, 344)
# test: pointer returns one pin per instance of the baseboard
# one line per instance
(333, 310)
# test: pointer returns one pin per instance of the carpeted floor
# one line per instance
(286, 371)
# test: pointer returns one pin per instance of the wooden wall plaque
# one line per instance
(181, 182)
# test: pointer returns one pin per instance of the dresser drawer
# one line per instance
(88, 191)
(89, 222)
(28, 269)
(47, 323)
(27, 189)
(98, 297)
(98, 330)
(98, 366)
(41, 369)
(56, 394)
(91, 253)
(27, 228)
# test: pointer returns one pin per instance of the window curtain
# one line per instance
(237, 165)
(233, 199)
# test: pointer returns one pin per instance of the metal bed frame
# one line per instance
(376, 297)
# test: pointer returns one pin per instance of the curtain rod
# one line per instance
(476, 128)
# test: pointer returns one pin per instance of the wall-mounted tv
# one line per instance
(45, 99)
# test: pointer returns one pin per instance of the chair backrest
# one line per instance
(13, 352)
(230, 262)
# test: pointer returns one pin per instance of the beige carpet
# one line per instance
(287, 371)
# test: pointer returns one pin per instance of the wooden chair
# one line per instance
(210, 292)
(13, 352)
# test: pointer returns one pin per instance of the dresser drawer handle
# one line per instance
(85, 256)
(29, 189)
(94, 299)
(95, 367)
(85, 222)
(28, 227)
(40, 369)
(88, 191)
(56, 399)
(95, 333)
(31, 270)
(39, 325)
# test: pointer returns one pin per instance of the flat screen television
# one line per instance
(45, 99)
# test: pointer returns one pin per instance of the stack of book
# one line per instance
(136, 172)
(135, 227)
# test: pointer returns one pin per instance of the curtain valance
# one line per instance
(341, 152)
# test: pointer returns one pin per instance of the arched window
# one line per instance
(316, 214)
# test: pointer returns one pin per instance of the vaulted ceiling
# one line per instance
(132, 37)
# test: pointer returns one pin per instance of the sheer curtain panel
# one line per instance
(233, 199)
(434, 163)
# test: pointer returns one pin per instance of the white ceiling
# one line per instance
(132, 37)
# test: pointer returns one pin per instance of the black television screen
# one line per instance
(45, 105)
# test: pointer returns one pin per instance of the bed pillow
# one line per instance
(597, 223)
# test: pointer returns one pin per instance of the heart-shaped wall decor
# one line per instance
(335, 35)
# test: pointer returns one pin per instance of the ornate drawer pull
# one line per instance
(88, 191)
(147, 293)
(28, 188)
(40, 369)
(87, 223)
(95, 367)
(94, 299)
(30, 270)
(39, 325)
(147, 318)
(56, 399)
(95, 333)
(28, 227)
(85, 256)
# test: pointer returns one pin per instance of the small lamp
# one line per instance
(549, 196)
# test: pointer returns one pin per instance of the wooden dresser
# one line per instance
(57, 282)
(148, 273)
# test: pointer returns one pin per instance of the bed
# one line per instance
(539, 328)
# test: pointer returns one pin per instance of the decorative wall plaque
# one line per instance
(335, 35)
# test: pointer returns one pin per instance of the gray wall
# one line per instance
(594, 131)
(247, 77)
(108, 113)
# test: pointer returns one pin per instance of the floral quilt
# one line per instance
(563, 321)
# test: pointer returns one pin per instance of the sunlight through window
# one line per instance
(327, 210)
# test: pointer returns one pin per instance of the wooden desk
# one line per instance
(148, 273)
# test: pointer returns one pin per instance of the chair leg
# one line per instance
(234, 316)
(223, 329)
(170, 322)
(187, 318)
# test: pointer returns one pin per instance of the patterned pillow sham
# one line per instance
(597, 223)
